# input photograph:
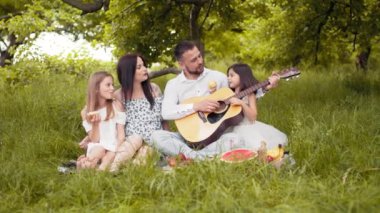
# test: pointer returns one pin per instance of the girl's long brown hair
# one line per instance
(246, 75)
(93, 87)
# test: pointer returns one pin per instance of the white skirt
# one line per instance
(92, 145)
(252, 134)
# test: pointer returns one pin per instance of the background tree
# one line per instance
(154, 27)
(276, 32)
(269, 33)
(9, 10)
(313, 32)
(21, 22)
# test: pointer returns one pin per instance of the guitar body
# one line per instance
(201, 129)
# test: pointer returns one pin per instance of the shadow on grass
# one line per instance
(363, 85)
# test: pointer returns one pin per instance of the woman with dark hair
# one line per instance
(142, 101)
(133, 75)
(141, 98)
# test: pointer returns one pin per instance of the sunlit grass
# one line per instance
(332, 121)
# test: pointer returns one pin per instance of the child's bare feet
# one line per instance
(83, 144)
(84, 162)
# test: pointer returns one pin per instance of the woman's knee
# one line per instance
(132, 144)
(136, 141)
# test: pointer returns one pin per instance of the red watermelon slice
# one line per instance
(237, 155)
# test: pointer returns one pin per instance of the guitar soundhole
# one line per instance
(216, 116)
(222, 107)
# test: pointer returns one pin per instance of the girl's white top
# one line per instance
(107, 129)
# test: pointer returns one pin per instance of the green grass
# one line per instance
(332, 121)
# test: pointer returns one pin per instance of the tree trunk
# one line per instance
(194, 27)
(165, 71)
(319, 30)
(88, 7)
(6, 56)
(362, 59)
(296, 60)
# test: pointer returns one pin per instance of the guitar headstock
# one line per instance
(290, 73)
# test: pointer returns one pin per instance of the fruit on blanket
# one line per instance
(269, 158)
(172, 162)
(276, 153)
(178, 160)
(262, 152)
(238, 155)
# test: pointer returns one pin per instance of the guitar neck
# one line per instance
(248, 91)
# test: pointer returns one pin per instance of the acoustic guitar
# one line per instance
(201, 128)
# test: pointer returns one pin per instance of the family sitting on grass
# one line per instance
(128, 123)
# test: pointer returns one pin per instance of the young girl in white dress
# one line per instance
(250, 130)
(104, 120)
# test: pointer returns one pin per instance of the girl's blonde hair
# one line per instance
(93, 87)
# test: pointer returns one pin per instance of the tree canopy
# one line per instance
(315, 31)
(22, 21)
(269, 33)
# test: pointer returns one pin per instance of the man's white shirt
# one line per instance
(180, 88)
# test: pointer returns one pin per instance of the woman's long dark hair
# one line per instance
(246, 76)
(126, 70)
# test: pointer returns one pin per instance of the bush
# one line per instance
(26, 70)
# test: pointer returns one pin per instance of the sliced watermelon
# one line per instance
(238, 155)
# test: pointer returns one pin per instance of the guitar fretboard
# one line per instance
(248, 91)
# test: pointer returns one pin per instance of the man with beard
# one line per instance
(193, 81)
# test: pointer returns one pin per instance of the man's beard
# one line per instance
(198, 71)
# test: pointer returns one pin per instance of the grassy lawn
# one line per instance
(332, 121)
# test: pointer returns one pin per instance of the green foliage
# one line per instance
(148, 27)
(27, 23)
(268, 34)
(27, 70)
(331, 119)
(21, 23)
(154, 27)
(311, 32)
